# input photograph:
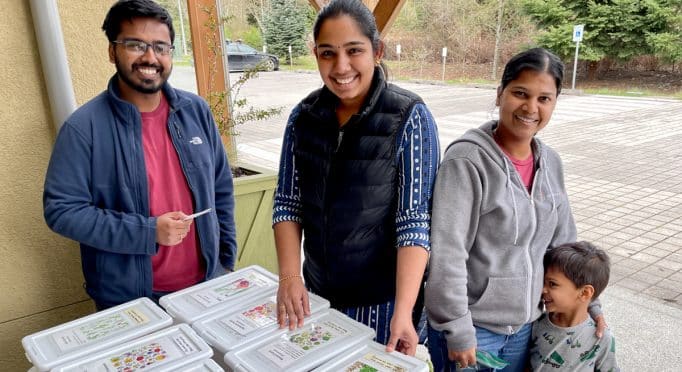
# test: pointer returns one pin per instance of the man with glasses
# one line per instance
(130, 166)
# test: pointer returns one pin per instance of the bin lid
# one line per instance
(101, 330)
(193, 303)
(206, 365)
(169, 349)
(248, 321)
(372, 356)
(323, 336)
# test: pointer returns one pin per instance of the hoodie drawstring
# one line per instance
(513, 198)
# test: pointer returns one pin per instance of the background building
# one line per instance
(40, 275)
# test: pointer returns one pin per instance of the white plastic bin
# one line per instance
(169, 349)
(207, 298)
(323, 336)
(372, 356)
(206, 365)
(83, 336)
(229, 330)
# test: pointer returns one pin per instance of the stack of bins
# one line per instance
(176, 348)
(246, 322)
(324, 336)
(102, 330)
(372, 356)
(206, 365)
(218, 295)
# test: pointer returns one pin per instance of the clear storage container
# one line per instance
(323, 336)
(170, 349)
(207, 298)
(249, 321)
(372, 356)
(83, 336)
(206, 365)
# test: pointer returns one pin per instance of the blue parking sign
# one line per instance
(578, 32)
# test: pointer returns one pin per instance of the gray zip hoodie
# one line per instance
(489, 236)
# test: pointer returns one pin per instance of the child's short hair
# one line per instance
(582, 263)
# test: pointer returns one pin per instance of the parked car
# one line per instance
(242, 57)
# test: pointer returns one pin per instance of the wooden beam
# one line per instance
(318, 4)
(385, 13)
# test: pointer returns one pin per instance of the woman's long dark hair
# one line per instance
(536, 59)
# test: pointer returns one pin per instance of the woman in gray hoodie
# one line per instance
(499, 204)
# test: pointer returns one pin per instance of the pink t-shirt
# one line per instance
(526, 169)
(179, 266)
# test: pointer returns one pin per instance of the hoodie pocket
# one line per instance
(502, 303)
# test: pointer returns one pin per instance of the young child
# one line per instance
(563, 338)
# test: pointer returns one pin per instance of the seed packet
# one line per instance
(485, 359)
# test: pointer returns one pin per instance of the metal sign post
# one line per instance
(577, 37)
(444, 54)
(397, 51)
(291, 58)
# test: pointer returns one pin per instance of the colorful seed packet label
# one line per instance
(253, 319)
(213, 296)
(100, 328)
(372, 362)
(141, 357)
(284, 352)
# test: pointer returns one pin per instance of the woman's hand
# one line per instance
(601, 325)
(404, 337)
(409, 273)
(292, 302)
(463, 358)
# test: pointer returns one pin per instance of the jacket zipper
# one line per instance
(529, 292)
(330, 162)
(138, 153)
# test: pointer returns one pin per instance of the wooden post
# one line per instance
(205, 24)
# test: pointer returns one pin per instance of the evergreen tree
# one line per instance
(286, 25)
(617, 29)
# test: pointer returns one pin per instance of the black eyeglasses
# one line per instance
(140, 47)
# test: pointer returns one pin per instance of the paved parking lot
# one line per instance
(623, 168)
(622, 157)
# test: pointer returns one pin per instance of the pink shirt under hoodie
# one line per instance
(179, 266)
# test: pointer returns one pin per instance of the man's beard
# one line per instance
(147, 86)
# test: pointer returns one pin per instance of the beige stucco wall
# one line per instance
(40, 275)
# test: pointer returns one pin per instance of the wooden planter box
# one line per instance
(254, 196)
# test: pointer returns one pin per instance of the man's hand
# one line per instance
(171, 229)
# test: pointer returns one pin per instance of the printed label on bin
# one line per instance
(257, 317)
(372, 362)
(152, 354)
(212, 296)
(286, 352)
(99, 328)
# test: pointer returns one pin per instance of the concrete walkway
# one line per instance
(623, 168)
